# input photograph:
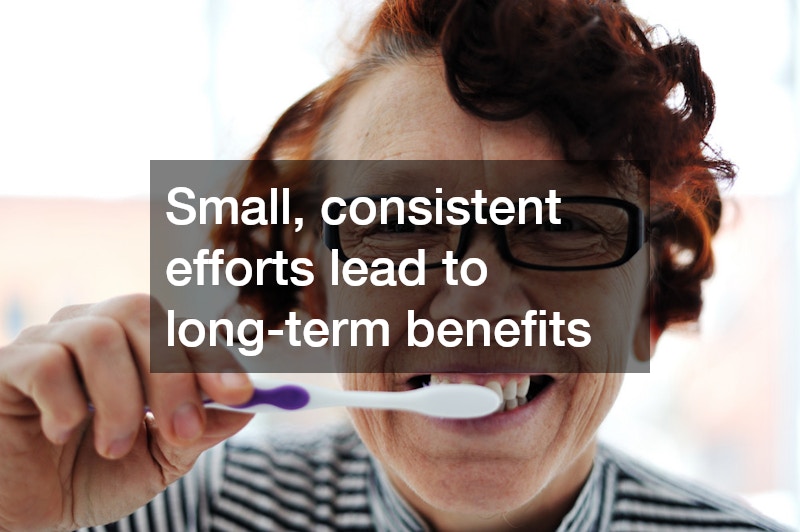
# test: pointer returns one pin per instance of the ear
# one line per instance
(645, 338)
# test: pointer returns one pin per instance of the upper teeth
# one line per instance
(512, 395)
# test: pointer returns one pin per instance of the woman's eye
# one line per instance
(393, 227)
(567, 224)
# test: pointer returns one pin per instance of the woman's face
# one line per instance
(526, 461)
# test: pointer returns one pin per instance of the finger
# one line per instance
(174, 461)
(227, 388)
(100, 347)
(45, 374)
(219, 374)
(222, 425)
(173, 395)
(70, 311)
(172, 392)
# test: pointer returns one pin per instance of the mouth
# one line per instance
(514, 390)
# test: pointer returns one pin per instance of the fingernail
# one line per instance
(234, 380)
(187, 423)
(119, 446)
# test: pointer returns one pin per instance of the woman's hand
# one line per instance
(64, 466)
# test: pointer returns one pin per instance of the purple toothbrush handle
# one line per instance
(287, 397)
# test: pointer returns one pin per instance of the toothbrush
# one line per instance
(457, 401)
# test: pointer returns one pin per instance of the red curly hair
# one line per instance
(587, 68)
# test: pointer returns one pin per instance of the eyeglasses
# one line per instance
(595, 233)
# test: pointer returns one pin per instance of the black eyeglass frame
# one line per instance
(637, 235)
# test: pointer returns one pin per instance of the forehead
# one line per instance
(405, 112)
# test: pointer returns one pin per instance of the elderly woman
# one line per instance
(566, 95)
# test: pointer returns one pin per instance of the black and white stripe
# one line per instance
(330, 483)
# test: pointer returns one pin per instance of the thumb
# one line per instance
(221, 425)
(176, 460)
(226, 388)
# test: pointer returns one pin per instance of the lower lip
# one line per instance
(499, 421)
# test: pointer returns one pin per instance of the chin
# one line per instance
(482, 489)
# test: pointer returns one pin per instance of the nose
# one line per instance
(501, 295)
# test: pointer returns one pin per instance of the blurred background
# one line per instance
(92, 91)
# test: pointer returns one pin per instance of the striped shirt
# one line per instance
(330, 482)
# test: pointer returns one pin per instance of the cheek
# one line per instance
(375, 427)
(593, 396)
(618, 301)
(611, 301)
(374, 305)
(368, 300)
(620, 290)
